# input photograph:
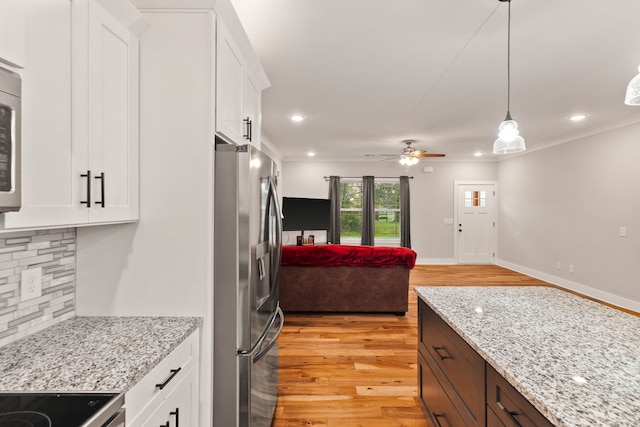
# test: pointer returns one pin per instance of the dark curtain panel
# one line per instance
(333, 235)
(405, 213)
(368, 211)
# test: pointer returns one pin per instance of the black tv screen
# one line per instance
(305, 214)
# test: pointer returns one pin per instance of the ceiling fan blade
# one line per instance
(429, 155)
(381, 155)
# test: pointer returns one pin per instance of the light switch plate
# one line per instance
(31, 283)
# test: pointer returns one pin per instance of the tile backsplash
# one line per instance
(55, 252)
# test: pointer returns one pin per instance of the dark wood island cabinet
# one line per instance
(457, 387)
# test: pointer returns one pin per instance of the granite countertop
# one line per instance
(91, 353)
(577, 361)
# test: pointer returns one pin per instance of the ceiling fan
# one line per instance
(409, 156)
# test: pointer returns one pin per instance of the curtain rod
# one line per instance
(326, 178)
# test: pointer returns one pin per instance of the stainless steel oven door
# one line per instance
(10, 136)
(112, 415)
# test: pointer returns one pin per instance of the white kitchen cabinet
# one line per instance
(180, 408)
(178, 55)
(80, 114)
(239, 93)
(12, 32)
(170, 392)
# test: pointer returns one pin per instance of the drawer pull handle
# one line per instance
(437, 350)
(165, 425)
(177, 414)
(174, 372)
(436, 416)
(510, 414)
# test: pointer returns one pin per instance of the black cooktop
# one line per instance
(50, 409)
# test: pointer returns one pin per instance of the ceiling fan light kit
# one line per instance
(633, 91)
(509, 140)
(408, 160)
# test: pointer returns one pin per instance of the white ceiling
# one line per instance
(367, 74)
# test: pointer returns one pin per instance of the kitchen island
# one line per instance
(91, 353)
(577, 362)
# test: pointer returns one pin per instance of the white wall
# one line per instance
(566, 204)
(431, 194)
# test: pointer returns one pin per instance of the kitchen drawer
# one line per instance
(441, 412)
(144, 397)
(462, 369)
(493, 420)
(180, 408)
(509, 405)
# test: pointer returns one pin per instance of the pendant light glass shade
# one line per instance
(509, 140)
(633, 91)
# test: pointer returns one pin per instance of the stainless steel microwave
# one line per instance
(10, 122)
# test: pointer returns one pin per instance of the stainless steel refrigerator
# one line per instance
(247, 315)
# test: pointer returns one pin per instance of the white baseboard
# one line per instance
(432, 261)
(574, 286)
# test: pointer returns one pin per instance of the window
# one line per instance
(387, 208)
(387, 212)
(351, 209)
(475, 198)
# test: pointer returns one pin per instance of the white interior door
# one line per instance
(475, 222)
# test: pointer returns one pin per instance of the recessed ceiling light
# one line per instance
(477, 154)
(297, 117)
(577, 117)
(311, 154)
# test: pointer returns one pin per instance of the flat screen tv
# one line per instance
(302, 214)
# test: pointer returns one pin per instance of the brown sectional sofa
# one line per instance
(338, 278)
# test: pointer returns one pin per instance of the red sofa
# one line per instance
(341, 278)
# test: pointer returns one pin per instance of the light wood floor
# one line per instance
(359, 370)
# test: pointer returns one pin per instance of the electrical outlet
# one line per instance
(570, 268)
(31, 283)
(559, 265)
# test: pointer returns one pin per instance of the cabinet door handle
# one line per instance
(101, 178)
(88, 201)
(174, 372)
(177, 414)
(435, 418)
(437, 350)
(510, 414)
(165, 425)
(247, 132)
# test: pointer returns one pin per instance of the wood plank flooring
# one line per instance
(359, 370)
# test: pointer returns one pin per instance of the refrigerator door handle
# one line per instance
(257, 351)
(265, 347)
(273, 197)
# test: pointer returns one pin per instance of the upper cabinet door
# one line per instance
(112, 119)
(252, 110)
(52, 161)
(12, 32)
(80, 114)
(229, 86)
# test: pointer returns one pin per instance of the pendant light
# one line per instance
(509, 140)
(633, 91)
